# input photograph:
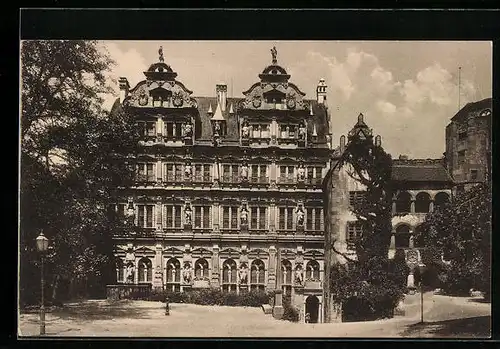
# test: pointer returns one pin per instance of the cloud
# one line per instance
(129, 64)
(436, 85)
(386, 107)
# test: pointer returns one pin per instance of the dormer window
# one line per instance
(173, 129)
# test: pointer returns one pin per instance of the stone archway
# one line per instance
(312, 308)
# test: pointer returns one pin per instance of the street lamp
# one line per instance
(42, 244)
(421, 268)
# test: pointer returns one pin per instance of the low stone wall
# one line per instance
(128, 291)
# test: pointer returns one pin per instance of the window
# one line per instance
(119, 270)
(229, 274)
(145, 216)
(174, 172)
(258, 217)
(145, 270)
(403, 202)
(201, 269)
(173, 129)
(260, 130)
(285, 218)
(257, 275)
(422, 202)
(440, 199)
(287, 174)
(146, 172)
(147, 128)
(173, 275)
(354, 232)
(462, 135)
(473, 175)
(287, 131)
(461, 156)
(173, 216)
(202, 217)
(356, 198)
(230, 174)
(402, 238)
(313, 219)
(202, 173)
(312, 270)
(229, 217)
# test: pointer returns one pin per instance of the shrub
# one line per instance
(290, 313)
(214, 297)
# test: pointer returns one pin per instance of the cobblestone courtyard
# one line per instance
(444, 317)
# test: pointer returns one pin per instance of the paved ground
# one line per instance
(443, 316)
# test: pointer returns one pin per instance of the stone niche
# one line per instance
(128, 291)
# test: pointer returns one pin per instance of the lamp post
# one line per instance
(421, 267)
(42, 243)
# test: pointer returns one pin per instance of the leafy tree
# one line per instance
(371, 276)
(460, 231)
(70, 165)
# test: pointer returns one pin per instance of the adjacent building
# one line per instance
(468, 144)
(225, 185)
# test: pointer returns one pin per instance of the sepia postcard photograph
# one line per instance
(255, 189)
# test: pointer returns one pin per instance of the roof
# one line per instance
(204, 123)
(420, 170)
(472, 107)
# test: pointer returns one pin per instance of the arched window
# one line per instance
(173, 274)
(441, 198)
(229, 275)
(418, 242)
(422, 202)
(145, 270)
(312, 270)
(201, 269)
(402, 239)
(403, 202)
(119, 270)
(257, 275)
(286, 277)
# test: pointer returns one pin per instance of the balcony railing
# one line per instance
(259, 179)
(287, 180)
(231, 179)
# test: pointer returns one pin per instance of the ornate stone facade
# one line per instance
(223, 184)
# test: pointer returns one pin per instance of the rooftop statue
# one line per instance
(160, 52)
(274, 53)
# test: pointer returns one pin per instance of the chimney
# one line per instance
(124, 88)
(321, 91)
(221, 90)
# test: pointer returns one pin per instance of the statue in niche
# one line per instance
(129, 273)
(243, 274)
(188, 215)
(300, 217)
(188, 130)
(187, 273)
(301, 172)
(302, 132)
(245, 130)
(244, 215)
(299, 276)
(187, 169)
(244, 171)
(217, 130)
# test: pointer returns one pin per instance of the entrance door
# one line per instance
(312, 308)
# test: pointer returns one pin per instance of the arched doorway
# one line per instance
(312, 308)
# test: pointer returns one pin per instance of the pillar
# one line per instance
(159, 216)
(159, 174)
(271, 269)
(393, 240)
(215, 281)
(411, 242)
(412, 206)
(159, 126)
(393, 207)
(215, 216)
(273, 173)
(431, 206)
(158, 268)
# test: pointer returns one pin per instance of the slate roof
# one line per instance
(473, 106)
(429, 170)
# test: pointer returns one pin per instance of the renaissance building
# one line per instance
(225, 185)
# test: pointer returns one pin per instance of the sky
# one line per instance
(406, 90)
